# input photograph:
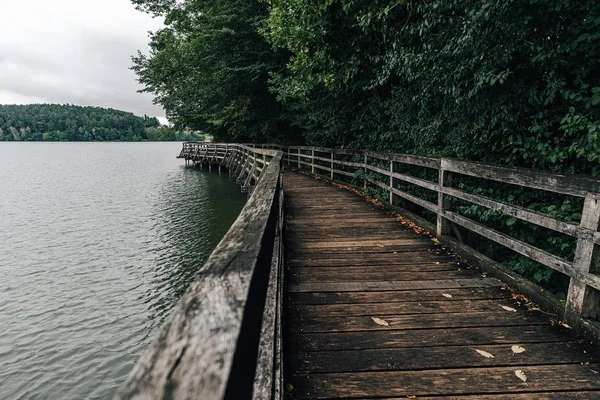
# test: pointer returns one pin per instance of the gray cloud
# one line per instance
(73, 51)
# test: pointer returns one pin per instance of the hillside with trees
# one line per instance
(53, 122)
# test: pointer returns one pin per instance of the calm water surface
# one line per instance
(97, 241)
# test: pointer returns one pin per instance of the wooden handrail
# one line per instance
(223, 337)
(583, 299)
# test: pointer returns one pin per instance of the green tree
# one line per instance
(209, 68)
(52, 122)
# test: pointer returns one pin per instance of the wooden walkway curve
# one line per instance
(374, 310)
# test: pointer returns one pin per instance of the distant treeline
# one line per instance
(54, 122)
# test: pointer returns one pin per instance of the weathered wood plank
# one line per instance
(380, 267)
(391, 285)
(338, 341)
(515, 211)
(542, 395)
(428, 162)
(338, 275)
(402, 322)
(332, 298)
(417, 358)
(447, 382)
(382, 260)
(395, 308)
(361, 243)
(558, 183)
(407, 196)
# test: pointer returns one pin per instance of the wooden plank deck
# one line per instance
(349, 262)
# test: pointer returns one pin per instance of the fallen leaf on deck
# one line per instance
(521, 375)
(565, 325)
(517, 349)
(380, 321)
(446, 295)
(485, 353)
(509, 308)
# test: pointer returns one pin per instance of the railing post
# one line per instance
(365, 171)
(298, 157)
(332, 153)
(444, 180)
(312, 161)
(582, 300)
(391, 182)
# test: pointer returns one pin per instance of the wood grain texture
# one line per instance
(376, 311)
(447, 381)
(208, 346)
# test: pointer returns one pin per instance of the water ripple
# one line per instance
(97, 242)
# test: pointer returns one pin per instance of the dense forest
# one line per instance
(512, 82)
(53, 122)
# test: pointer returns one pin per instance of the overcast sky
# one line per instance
(73, 51)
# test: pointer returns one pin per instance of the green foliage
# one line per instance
(512, 82)
(209, 68)
(166, 134)
(53, 122)
(502, 81)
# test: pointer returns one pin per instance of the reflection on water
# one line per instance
(97, 242)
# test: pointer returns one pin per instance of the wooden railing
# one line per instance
(223, 337)
(246, 163)
(583, 299)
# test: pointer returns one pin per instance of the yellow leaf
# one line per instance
(509, 308)
(447, 295)
(380, 321)
(485, 353)
(517, 349)
(380, 245)
(565, 325)
(521, 375)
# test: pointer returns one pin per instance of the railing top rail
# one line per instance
(256, 150)
(382, 170)
(574, 185)
(205, 348)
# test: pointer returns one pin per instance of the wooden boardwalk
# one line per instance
(374, 310)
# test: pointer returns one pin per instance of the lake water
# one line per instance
(97, 242)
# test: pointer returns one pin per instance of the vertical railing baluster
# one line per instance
(444, 180)
(582, 300)
(391, 182)
(365, 171)
(332, 153)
